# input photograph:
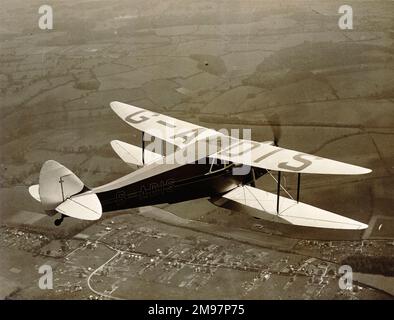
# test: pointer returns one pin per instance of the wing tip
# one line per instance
(359, 171)
(366, 171)
(363, 226)
(123, 109)
(127, 155)
(114, 143)
(115, 105)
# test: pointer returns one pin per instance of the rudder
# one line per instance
(56, 184)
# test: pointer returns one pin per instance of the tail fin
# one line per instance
(60, 190)
(56, 184)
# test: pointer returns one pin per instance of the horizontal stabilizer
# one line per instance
(84, 206)
(35, 192)
(132, 155)
(261, 204)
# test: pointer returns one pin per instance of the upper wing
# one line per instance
(174, 131)
(251, 153)
(263, 155)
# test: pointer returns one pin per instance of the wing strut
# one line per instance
(143, 148)
(298, 187)
(278, 193)
(253, 184)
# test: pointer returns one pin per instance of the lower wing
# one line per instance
(261, 204)
(134, 156)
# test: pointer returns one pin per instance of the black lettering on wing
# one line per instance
(166, 124)
(265, 156)
(305, 163)
(188, 136)
(142, 118)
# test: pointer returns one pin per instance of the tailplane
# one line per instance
(60, 190)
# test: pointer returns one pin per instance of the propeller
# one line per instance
(274, 122)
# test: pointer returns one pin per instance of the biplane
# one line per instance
(219, 167)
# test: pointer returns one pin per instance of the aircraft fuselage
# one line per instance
(187, 182)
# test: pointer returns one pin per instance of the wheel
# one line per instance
(58, 222)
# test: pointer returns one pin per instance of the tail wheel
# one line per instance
(59, 221)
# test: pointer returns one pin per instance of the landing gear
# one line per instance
(59, 221)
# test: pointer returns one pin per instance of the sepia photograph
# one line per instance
(227, 150)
